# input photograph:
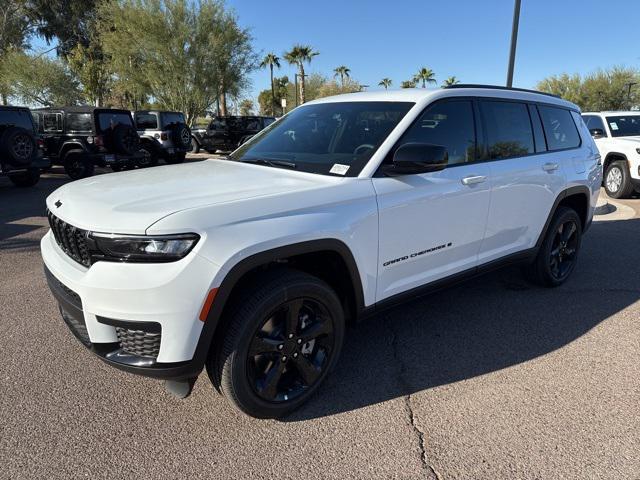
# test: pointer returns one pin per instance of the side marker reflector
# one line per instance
(211, 296)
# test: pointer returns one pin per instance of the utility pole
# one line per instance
(514, 42)
(629, 85)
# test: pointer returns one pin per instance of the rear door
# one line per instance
(526, 177)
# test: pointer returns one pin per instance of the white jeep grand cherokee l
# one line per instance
(617, 136)
(252, 266)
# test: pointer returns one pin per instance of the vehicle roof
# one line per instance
(158, 111)
(424, 95)
(78, 109)
(243, 116)
(614, 112)
(12, 108)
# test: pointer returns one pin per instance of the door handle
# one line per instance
(473, 179)
(550, 167)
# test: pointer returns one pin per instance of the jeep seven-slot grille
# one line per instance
(72, 240)
(138, 342)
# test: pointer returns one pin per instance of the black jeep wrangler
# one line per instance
(227, 133)
(163, 135)
(79, 138)
(21, 156)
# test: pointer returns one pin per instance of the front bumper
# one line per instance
(156, 303)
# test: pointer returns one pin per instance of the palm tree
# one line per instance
(408, 84)
(425, 75)
(342, 72)
(298, 55)
(385, 82)
(271, 60)
(450, 81)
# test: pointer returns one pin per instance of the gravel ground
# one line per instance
(491, 379)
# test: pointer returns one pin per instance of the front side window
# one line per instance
(172, 118)
(593, 121)
(624, 125)
(335, 138)
(146, 121)
(51, 122)
(508, 129)
(253, 124)
(559, 128)
(110, 120)
(79, 122)
(449, 124)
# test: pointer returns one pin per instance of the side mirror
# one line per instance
(596, 132)
(418, 158)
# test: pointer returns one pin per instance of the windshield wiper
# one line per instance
(271, 163)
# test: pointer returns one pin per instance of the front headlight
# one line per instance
(129, 248)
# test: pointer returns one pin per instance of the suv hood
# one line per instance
(130, 202)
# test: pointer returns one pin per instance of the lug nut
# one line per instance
(291, 335)
(280, 347)
(295, 355)
(284, 359)
(299, 341)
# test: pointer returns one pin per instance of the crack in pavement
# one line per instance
(431, 472)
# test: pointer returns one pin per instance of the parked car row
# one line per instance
(81, 138)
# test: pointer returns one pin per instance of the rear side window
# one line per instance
(218, 124)
(172, 118)
(110, 120)
(253, 124)
(79, 122)
(559, 128)
(508, 129)
(17, 118)
(146, 121)
(449, 124)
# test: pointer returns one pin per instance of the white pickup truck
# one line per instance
(617, 135)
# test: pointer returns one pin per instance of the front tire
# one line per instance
(25, 179)
(195, 146)
(558, 253)
(617, 181)
(285, 334)
(149, 157)
(77, 166)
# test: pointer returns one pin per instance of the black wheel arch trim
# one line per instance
(248, 264)
(575, 190)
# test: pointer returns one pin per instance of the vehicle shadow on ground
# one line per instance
(487, 324)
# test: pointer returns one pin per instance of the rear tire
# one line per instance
(195, 146)
(25, 179)
(617, 181)
(558, 253)
(149, 158)
(77, 166)
(295, 323)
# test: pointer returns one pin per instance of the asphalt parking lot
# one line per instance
(491, 379)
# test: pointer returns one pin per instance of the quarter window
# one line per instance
(508, 129)
(146, 121)
(449, 124)
(51, 122)
(559, 128)
(79, 122)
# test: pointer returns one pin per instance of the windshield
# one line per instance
(624, 126)
(329, 138)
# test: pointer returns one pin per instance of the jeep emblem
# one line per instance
(58, 204)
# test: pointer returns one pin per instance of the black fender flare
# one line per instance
(575, 190)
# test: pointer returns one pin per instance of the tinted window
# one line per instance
(538, 134)
(146, 121)
(17, 118)
(218, 124)
(449, 124)
(253, 124)
(624, 126)
(593, 121)
(559, 128)
(268, 121)
(508, 129)
(79, 122)
(51, 122)
(172, 118)
(108, 120)
(335, 138)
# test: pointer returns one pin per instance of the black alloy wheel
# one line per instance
(563, 251)
(284, 334)
(290, 350)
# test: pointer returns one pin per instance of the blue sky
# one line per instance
(465, 38)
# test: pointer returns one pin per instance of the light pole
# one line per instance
(514, 41)
(629, 85)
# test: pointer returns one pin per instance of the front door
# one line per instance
(431, 225)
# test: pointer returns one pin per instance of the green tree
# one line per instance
(450, 81)
(342, 72)
(185, 55)
(14, 31)
(40, 80)
(408, 84)
(92, 68)
(386, 83)
(271, 60)
(424, 75)
(246, 107)
(299, 55)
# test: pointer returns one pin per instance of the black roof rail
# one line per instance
(499, 87)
